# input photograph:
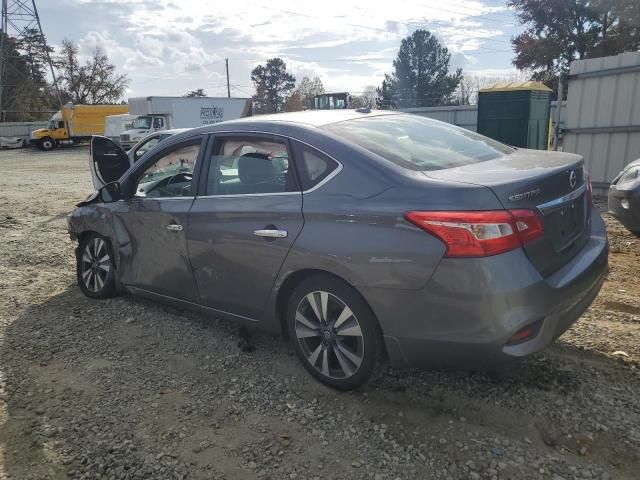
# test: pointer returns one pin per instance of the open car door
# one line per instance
(107, 161)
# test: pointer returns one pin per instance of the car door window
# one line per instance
(312, 166)
(251, 165)
(171, 174)
(145, 147)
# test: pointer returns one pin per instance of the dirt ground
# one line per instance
(126, 388)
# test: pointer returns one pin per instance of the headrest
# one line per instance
(255, 168)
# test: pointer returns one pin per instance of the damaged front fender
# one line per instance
(103, 219)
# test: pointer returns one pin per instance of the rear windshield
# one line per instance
(419, 143)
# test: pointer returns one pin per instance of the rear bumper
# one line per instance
(470, 308)
(629, 217)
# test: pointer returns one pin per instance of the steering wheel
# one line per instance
(163, 190)
(183, 176)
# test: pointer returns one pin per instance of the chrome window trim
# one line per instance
(324, 181)
(556, 204)
(160, 198)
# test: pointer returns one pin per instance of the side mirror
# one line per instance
(110, 192)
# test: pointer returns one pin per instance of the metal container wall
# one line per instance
(20, 129)
(603, 114)
(465, 116)
(514, 115)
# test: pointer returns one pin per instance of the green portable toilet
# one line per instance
(515, 113)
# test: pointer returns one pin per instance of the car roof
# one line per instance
(314, 118)
(172, 131)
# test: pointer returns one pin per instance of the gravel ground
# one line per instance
(125, 388)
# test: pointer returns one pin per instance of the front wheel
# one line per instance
(334, 331)
(95, 267)
(45, 144)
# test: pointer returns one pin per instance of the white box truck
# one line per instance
(163, 113)
(114, 125)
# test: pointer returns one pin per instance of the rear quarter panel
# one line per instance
(355, 228)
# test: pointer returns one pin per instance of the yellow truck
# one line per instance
(74, 124)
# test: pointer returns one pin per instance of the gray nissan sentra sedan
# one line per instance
(364, 236)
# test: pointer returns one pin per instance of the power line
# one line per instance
(480, 14)
(241, 90)
(377, 29)
(465, 15)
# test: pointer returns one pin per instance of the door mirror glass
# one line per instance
(110, 192)
(158, 122)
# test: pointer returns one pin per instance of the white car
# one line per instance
(106, 172)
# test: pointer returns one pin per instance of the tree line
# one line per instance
(420, 78)
(29, 95)
(556, 33)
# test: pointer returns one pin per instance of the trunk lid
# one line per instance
(550, 183)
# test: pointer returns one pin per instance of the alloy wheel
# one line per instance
(329, 335)
(95, 264)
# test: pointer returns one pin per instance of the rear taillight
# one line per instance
(479, 234)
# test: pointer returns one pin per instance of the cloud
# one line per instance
(170, 47)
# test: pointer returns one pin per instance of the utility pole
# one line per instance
(226, 62)
(556, 133)
(19, 22)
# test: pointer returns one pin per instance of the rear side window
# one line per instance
(249, 166)
(419, 143)
(313, 166)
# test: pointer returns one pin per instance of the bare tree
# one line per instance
(92, 82)
(308, 89)
(294, 103)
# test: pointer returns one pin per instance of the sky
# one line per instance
(169, 47)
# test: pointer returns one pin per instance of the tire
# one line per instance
(46, 144)
(334, 332)
(95, 271)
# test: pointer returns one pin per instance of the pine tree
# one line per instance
(421, 74)
(273, 86)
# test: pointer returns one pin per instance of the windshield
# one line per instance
(52, 124)
(142, 122)
(419, 143)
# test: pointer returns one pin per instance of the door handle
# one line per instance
(174, 227)
(271, 233)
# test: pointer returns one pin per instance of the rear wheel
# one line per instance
(45, 144)
(335, 333)
(95, 267)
